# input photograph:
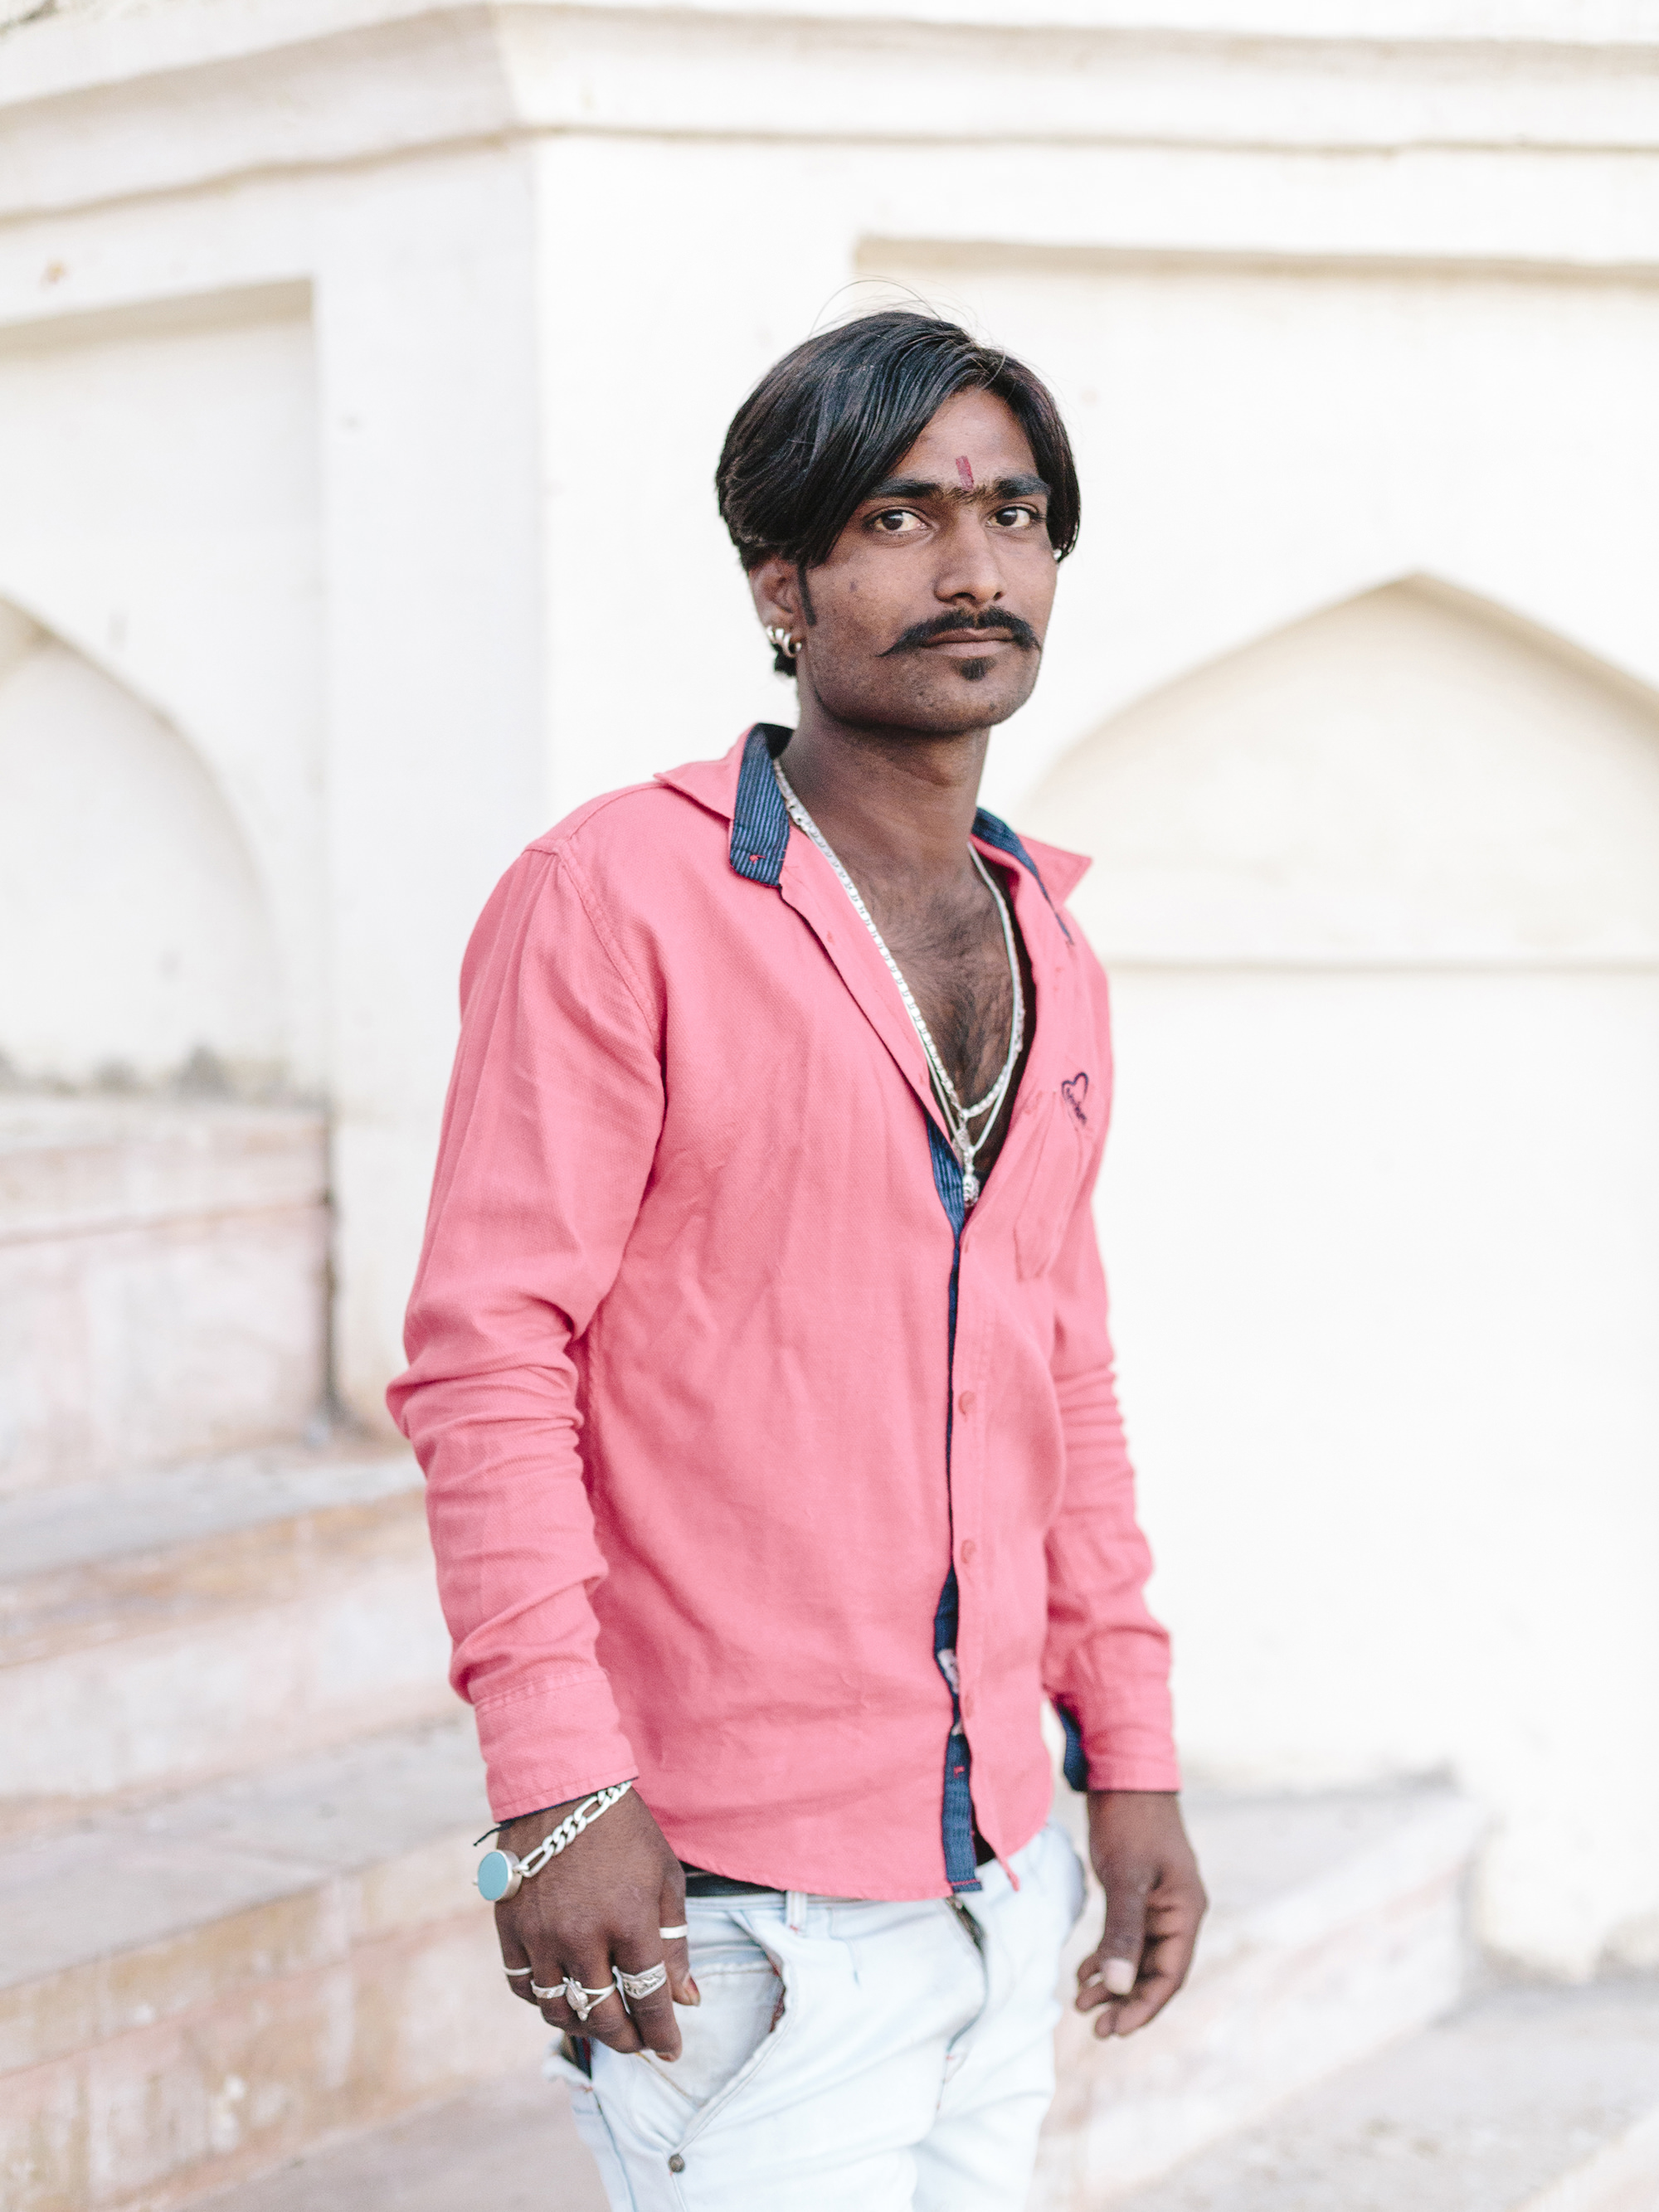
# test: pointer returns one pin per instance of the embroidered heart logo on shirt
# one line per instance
(1074, 1091)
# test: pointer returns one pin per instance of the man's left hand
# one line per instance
(1154, 1903)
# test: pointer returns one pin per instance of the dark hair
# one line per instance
(827, 422)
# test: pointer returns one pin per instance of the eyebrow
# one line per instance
(1021, 487)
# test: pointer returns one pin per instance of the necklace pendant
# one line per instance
(970, 1186)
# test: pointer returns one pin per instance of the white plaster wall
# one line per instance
(1256, 441)
(1382, 1214)
(432, 444)
(159, 513)
(270, 453)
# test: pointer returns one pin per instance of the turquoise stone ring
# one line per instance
(499, 1875)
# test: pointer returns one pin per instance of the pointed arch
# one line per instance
(134, 934)
(1411, 775)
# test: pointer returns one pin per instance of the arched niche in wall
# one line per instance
(1380, 900)
(134, 938)
(1411, 775)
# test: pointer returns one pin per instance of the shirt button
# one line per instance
(677, 2164)
(968, 1550)
(965, 1401)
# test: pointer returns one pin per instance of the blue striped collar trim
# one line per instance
(760, 821)
(992, 829)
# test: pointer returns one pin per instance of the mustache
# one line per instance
(994, 623)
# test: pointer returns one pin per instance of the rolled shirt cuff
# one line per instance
(551, 1742)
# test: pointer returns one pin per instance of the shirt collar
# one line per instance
(743, 787)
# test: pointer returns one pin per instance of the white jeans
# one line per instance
(847, 2056)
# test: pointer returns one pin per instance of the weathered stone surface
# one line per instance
(208, 1619)
(1336, 1927)
(163, 1282)
(509, 2145)
(1528, 2100)
(200, 1992)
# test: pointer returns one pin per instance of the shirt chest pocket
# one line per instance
(1051, 1184)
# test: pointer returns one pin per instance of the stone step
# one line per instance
(191, 1994)
(163, 1281)
(208, 1617)
(1525, 2100)
(509, 2146)
(294, 1954)
(1336, 1926)
(1529, 2101)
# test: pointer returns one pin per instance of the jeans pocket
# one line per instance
(742, 2005)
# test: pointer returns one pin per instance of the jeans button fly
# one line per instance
(677, 2164)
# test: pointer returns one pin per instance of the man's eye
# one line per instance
(895, 521)
(1018, 517)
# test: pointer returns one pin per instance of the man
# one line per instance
(760, 1373)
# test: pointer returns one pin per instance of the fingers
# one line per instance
(653, 2013)
(676, 1949)
(608, 2020)
(1172, 1936)
(1114, 1969)
(515, 1962)
(1170, 1924)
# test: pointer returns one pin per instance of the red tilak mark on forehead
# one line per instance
(964, 472)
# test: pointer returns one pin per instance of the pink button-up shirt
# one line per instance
(699, 1454)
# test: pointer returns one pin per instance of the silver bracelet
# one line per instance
(500, 1873)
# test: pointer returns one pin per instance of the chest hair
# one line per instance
(950, 948)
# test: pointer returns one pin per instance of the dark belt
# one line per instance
(699, 1884)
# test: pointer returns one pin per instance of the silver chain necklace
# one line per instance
(956, 1114)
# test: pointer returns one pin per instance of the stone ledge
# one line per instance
(221, 1980)
(90, 1563)
(163, 1282)
(168, 1628)
(80, 1166)
(1337, 1927)
(1528, 2100)
(177, 1905)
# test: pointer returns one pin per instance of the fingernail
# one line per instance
(1119, 1976)
(694, 1995)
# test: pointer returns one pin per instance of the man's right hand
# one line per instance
(597, 1905)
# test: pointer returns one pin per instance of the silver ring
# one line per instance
(642, 1985)
(673, 1935)
(542, 1996)
(517, 1974)
(583, 2001)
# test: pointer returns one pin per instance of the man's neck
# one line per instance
(895, 805)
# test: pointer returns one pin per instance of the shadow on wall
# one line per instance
(136, 950)
(1380, 900)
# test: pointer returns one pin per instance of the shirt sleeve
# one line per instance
(548, 1133)
(1106, 1663)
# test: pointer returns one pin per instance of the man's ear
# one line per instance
(774, 587)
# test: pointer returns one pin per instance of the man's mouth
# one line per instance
(965, 639)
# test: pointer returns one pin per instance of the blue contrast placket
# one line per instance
(760, 839)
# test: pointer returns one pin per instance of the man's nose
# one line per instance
(969, 569)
